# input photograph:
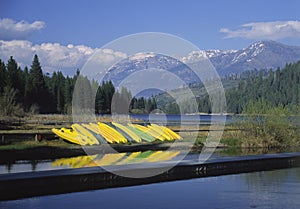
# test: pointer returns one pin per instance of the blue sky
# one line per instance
(208, 24)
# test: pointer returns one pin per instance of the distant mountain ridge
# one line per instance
(150, 61)
(259, 55)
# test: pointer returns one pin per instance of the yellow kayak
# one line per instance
(78, 135)
(149, 131)
(95, 132)
(92, 134)
(106, 135)
(80, 129)
(169, 131)
(70, 136)
(160, 129)
(96, 129)
(112, 132)
(160, 132)
(128, 131)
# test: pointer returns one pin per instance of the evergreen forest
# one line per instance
(29, 90)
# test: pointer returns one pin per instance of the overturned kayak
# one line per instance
(101, 133)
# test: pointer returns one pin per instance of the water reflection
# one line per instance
(271, 180)
(267, 189)
(115, 159)
(237, 151)
(13, 166)
(89, 161)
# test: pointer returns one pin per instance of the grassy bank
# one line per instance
(27, 144)
(232, 138)
(249, 134)
(43, 123)
(252, 132)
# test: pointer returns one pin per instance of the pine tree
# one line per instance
(37, 89)
(26, 78)
(100, 101)
(15, 79)
(12, 73)
(60, 92)
(83, 96)
(68, 90)
(133, 104)
(3, 76)
(109, 92)
(141, 103)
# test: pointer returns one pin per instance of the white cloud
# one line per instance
(265, 30)
(54, 56)
(11, 30)
(108, 56)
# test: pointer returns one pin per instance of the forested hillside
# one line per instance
(29, 90)
(279, 87)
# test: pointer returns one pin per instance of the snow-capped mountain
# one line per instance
(151, 61)
(259, 55)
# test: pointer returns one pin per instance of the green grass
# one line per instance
(232, 151)
(232, 142)
(32, 144)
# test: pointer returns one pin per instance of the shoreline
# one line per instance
(53, 152)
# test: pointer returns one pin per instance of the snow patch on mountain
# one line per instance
(259, 55)
(141, 56)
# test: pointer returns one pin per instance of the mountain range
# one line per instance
(259, 55)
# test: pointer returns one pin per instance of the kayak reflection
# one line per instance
(115, 159)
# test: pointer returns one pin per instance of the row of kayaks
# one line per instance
(102, 133)
(116, 159)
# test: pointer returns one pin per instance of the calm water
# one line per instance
(181, 119)
(97, 160)
(271, 189)
(7, 166)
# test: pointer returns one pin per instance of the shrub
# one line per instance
(265, 125)
(8, 105)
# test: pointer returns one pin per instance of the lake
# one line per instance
(265, 189)
(191, 118)
(174, 120)
(269, 189)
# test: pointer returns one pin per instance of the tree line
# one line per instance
(30, 90)
(280, 87)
